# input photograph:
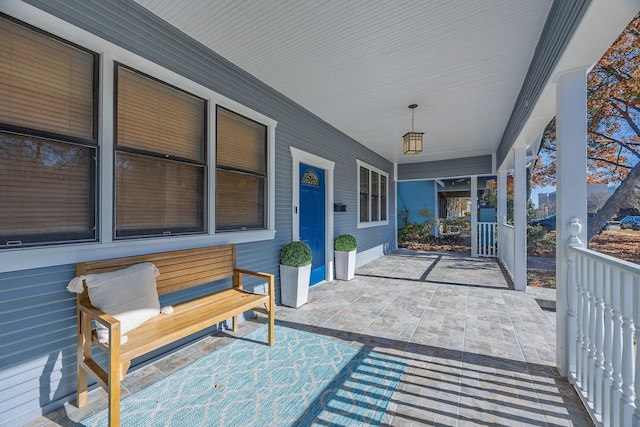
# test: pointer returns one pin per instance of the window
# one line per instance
(48, 138)
(241, 174)
(373, 189)
(160, 166)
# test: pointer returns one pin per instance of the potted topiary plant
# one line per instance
(345, 246)
(295, 272)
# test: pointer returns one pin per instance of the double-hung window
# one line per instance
(373, 189)
(160, 158)
(241, 173)
(48, 138)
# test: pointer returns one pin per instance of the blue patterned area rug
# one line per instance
(304, 379)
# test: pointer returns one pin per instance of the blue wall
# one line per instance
(415, 196)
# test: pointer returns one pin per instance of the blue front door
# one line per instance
(312, 217)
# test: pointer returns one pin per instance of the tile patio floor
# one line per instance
(477, 352)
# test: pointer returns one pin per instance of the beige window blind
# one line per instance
(45, 190)
(364, 194)
(241, 177)
(155, 117)
(160, 173)
(45, 84)
(155, 196)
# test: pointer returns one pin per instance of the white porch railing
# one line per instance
(487, 239)
(603, 309)
(507, 248)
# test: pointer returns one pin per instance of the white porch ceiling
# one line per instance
(358, 64)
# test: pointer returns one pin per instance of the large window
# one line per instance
(48, 138)
(160, 165)
(373, 189)
(241, 175)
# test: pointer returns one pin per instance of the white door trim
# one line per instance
(297, 157)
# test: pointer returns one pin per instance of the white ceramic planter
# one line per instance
(294, 285)
(345, 265)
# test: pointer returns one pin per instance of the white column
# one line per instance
(571, 190)
(436, 210)
(520, 219)
(474, 216)
(502, 212)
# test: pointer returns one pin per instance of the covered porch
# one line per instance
(476, 351)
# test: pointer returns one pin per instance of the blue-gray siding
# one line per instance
(466, 166)
(37, 314)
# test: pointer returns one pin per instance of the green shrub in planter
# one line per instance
(295, 254)
(345, 243)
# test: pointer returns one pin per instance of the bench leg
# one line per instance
(272, 321)
(234, 324)
(115, 372)
(84, 354)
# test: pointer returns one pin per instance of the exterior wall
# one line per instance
(414, 196)
(465, 166)
(37, 314)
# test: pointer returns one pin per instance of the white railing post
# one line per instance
(628, 391)
(572, 298)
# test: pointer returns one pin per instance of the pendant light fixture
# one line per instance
(412, 140)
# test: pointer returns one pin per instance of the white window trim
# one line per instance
(15, 259)
(368, 224)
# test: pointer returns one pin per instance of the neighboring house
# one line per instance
(90, 168)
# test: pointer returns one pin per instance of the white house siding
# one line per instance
(37, 315)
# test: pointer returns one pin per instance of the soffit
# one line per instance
(358, 64)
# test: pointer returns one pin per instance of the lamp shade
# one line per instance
(412, 142)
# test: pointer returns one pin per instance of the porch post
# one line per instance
(571, 191)
(520, 219)
(502, 211)
(474, 216)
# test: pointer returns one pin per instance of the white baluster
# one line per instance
(592, 334)
(580, 335)
(628, 391)
(586, 316)
(636, 321)
(599, 344)
(574, 228)
(616, 387)
(608, 347)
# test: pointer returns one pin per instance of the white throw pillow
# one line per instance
(130, 295)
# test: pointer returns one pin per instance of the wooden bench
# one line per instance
(178, 270)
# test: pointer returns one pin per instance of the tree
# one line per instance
(613, 126)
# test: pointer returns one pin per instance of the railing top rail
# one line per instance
(626, 266)
(508, 226)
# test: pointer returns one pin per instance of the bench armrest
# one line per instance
(269, 277)
(98, 315)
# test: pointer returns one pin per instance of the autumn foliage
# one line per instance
(613, 124)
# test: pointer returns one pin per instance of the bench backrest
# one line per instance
(178, 269)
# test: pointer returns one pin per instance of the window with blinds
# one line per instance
(241, 172)
(48, 138)
(373, 188)
(160, 166)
